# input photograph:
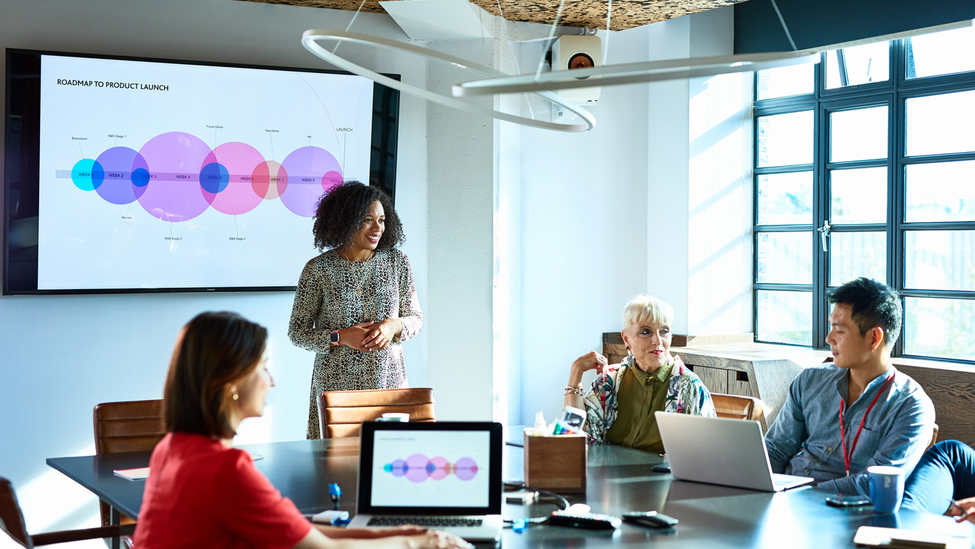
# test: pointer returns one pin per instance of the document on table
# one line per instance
(894, 538)
(139, 473)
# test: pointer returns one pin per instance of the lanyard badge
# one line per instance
(847, 457)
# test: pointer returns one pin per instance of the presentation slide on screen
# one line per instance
(431, 469)
(166, 175)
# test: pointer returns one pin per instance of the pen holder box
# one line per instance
(556, 463)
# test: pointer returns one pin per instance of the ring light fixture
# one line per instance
(310, 38)
(633, 73)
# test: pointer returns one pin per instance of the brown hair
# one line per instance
(213, 352)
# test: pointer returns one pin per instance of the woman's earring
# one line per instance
(235, 397)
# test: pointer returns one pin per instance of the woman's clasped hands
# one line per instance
(370, 335)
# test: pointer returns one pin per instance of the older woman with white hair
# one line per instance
(621, 404)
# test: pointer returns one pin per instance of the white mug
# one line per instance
(396, 416)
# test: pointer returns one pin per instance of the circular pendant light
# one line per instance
(310, 38)
(632, 73)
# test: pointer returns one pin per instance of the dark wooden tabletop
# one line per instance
(620, 480)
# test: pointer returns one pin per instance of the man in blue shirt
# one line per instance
(860, 411)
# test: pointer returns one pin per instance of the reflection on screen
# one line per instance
(431, 469)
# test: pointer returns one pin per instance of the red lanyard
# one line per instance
(848, 456)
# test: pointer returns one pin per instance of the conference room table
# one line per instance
(619, 480)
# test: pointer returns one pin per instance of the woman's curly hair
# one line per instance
(340, 213)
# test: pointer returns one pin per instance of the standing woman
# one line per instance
(355, 303)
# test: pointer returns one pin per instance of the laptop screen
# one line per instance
(442, 468)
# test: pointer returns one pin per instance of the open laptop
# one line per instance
(730, 452)
(441, 475)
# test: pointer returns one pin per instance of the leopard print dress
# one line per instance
(334, 293)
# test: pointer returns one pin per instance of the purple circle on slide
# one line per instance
(306, 168)
(240, 160)
(119, 164)
(399, 468)
(174, 192)
(465, 469)
(417, 464)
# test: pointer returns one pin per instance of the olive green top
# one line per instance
(640, 395)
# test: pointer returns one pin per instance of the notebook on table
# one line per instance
(440, 475)
(730, 452)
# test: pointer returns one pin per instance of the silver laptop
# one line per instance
(441, 475)
(730, 452)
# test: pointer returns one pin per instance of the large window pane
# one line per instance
(858, 196)
(785, 139)
(946, 52)
(858, 65)
(939, 124)
(857, 254)
(785, 258)
(939, 327)
(859, 134)
(940, 260)
(785, 81)
(785, 199)
(784, 317)
(944, 191)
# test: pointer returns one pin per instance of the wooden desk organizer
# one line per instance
(556, 463)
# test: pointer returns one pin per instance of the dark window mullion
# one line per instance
(939, 294)
(773, 170)
(856, 164)
(820, 211)
(933, 158)
(937, 226)
(896, 196)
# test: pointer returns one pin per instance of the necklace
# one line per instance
(359, 280)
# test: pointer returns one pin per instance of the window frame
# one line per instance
(894, 93)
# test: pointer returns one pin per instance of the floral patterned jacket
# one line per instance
(686, 394)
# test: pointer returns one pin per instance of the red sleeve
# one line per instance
(252, 508)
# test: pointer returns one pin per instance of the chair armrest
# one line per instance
(65, 536)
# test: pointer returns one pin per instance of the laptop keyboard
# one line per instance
(430, 522)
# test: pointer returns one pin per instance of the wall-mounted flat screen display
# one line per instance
(127, 175)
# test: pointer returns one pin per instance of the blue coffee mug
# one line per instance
(886, 488)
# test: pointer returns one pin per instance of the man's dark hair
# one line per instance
(873, 304)
(213, 352)
(341, 211)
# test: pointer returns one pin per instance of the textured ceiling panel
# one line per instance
(626, 13)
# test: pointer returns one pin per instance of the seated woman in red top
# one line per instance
(202, 492)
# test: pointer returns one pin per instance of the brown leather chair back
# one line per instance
(134, 426)
(341, 412)
(11, 517)
(737, 407)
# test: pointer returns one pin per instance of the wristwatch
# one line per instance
(334, 337)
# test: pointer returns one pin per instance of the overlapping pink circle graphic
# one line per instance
(239, 160)
(418, 468)
(176, 177)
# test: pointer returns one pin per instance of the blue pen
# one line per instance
(335, 493)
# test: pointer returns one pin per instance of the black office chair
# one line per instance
(12, 523)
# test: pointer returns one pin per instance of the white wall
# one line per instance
(584, 224)
(656, 199)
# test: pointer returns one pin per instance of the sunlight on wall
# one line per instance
(52, 501)
(719, 212)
